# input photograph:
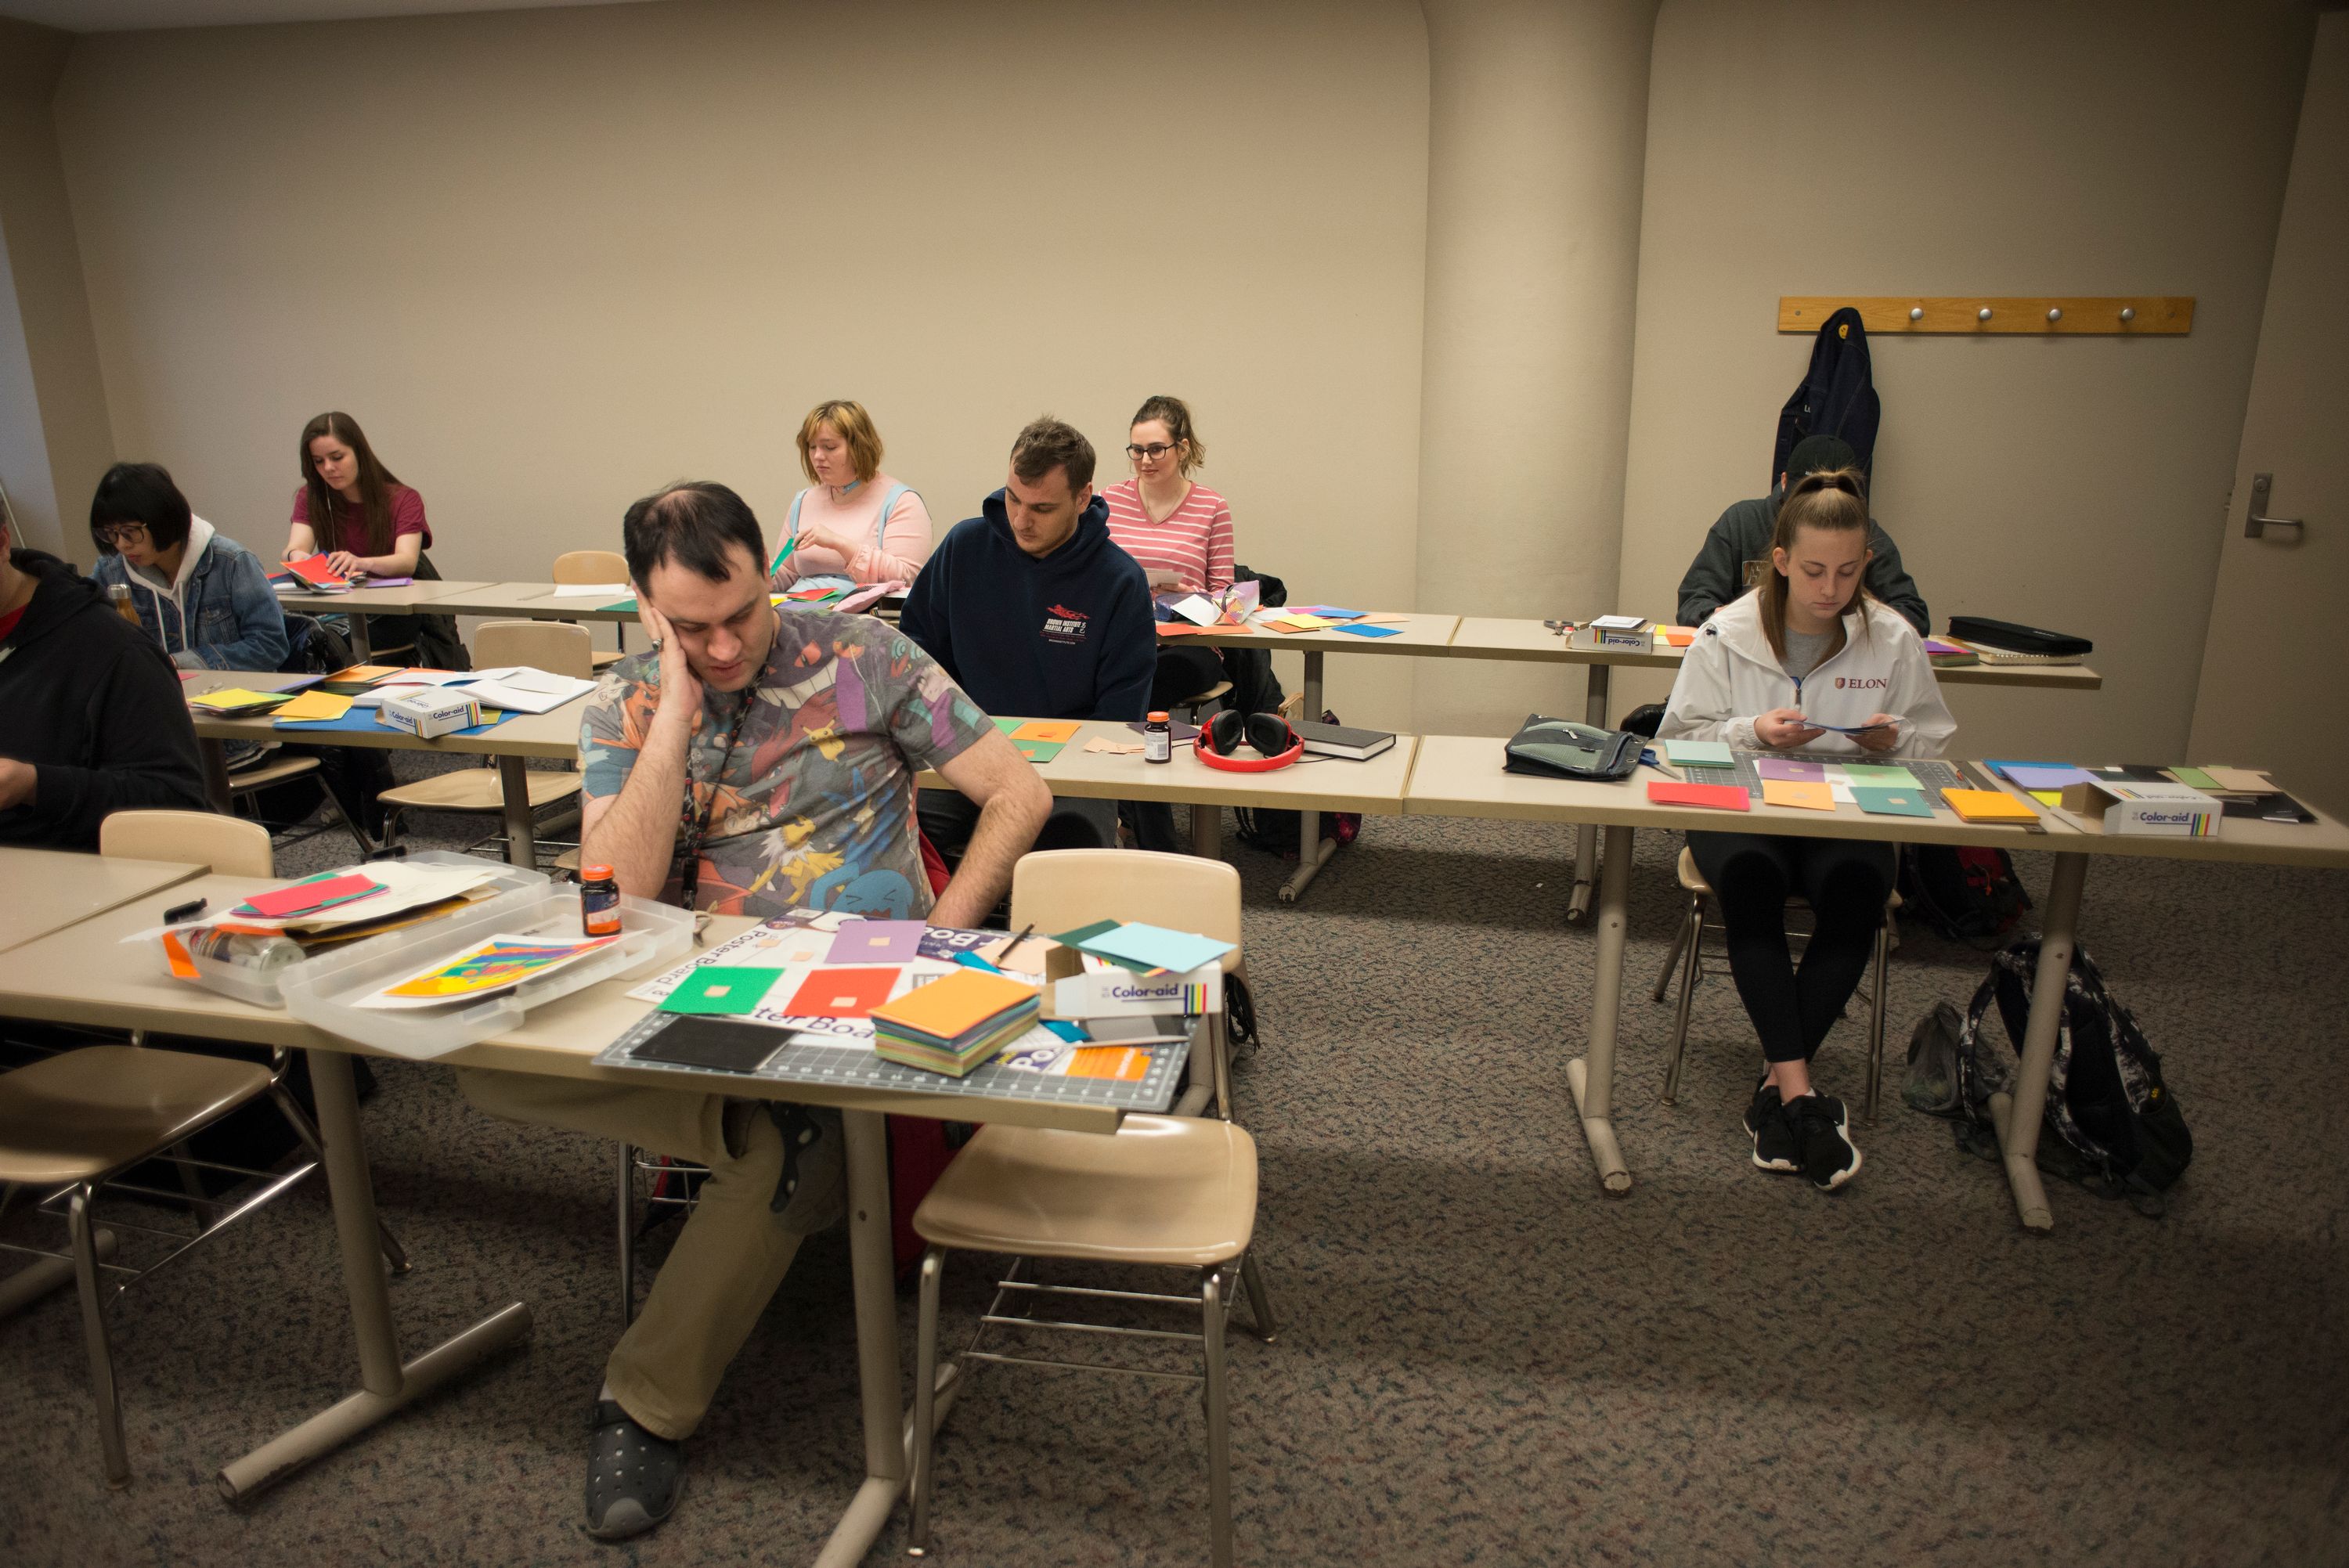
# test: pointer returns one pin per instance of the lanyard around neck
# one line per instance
(689, 872)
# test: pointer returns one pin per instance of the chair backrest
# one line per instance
(590, 566)
(1061, 889)
(556, 646)
(231, 846)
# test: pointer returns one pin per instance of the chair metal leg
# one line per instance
(291, 1109)
(1694, 928)
(366, 845)
(1220, 1049)
(627, 1236)
(1212, 1312)
(1259, 1298)
(1672, 959)
(925, 1393)
(198, 1200)
(93, 1331)
(1876, 1017)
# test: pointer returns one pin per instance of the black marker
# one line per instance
(188, 911)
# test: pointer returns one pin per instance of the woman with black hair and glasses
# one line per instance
(204, 597)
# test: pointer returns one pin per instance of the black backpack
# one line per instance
(1836, 396)
(1966, 893)
(2112, 1125)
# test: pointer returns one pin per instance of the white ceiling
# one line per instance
(128, 16)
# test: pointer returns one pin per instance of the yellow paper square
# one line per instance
(314, 705)
(1808, 793)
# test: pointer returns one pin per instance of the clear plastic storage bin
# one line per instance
(261, 987)
(326, 991)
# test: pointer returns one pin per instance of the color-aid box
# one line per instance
(1627, 634)
(2170, 811)
(430, 714)
(1117, 993)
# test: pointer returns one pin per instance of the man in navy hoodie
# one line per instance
(1034, 610)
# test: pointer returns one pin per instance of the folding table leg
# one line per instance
(2018, 1119)
(1585, 837)
(1591, 1077)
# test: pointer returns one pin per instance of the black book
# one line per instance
(1339, 740)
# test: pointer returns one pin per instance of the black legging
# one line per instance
(1846, 881)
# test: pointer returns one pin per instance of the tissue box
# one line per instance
(2175, 810)
(428, 713)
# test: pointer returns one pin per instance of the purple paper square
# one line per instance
(1788, 769)
(877, 942)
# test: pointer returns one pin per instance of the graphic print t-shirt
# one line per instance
(814, 806)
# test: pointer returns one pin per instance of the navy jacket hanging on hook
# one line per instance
(1835, 398)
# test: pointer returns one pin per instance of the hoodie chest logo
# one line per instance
(1064, 626)
(1862, 683)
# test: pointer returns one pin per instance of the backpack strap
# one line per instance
(888, 504)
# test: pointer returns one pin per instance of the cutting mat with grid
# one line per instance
(1931, 776)
(849, 1064)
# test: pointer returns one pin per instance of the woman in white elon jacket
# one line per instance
(1806, 664)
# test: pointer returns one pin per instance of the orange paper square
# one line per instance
(1808, 794)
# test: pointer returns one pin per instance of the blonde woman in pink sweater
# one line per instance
(855, 524)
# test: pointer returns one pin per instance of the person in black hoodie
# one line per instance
(1034, 610)
(91, 720)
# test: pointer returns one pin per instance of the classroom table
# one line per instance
(1416, 635)
(1487, 637)
(48, 890)
(1461, 776)
(512, 741)
(1310, 785)
(55, 978)
(423, 594)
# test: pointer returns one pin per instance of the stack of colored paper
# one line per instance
(1145, 949)
(953, 1024)
(232, 702)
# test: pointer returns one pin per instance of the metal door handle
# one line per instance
(2255, 526)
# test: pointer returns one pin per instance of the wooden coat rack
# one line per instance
(2149, 315)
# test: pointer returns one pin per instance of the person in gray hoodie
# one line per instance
(1736, 552)
(201, 595)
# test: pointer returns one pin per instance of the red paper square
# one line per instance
(1719, 797)
(840, 994)
(305, 896)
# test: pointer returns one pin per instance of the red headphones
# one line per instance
(1268, 733)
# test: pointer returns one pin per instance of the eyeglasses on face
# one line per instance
(1154, 451)
(122, 533)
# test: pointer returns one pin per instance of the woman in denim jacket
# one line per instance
(200, 594)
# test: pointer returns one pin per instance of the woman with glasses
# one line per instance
(200, 594)
(1180, 532)
(854, 524)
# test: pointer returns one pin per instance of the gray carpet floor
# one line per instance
(1483, 1360)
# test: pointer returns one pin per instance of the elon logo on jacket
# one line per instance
(1855, 683)
(1063, 624)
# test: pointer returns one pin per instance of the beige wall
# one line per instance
(551, 260)
(1996, 148)
(53, 440)
(1537, 117)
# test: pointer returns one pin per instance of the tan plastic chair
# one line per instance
(556, 646)
(1168, 1191)
(1060, 890)
(77, 1121)
(596, 566)
(230, 845)
(1691, 935)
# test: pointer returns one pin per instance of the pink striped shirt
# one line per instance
(1195, 543)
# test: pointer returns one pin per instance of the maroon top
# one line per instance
(406, 517)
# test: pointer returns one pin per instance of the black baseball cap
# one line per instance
(1818, 455)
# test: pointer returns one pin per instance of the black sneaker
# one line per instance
(1823, 1127)
(1774, 1145)
(633, 1478)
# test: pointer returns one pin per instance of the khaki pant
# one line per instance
(726, 1263)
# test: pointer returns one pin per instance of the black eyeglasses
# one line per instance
(1153, 453)
(121, 533)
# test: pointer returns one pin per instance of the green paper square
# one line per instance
(1084, 933)
(1880, 776)
(1890, 802)
(1039, 750)
(1008, 725)
(722, 988)
(2194, 776)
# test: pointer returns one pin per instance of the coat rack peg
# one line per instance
(1893, 315)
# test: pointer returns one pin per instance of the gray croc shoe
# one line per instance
(633, 1478)
(813, 1190)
